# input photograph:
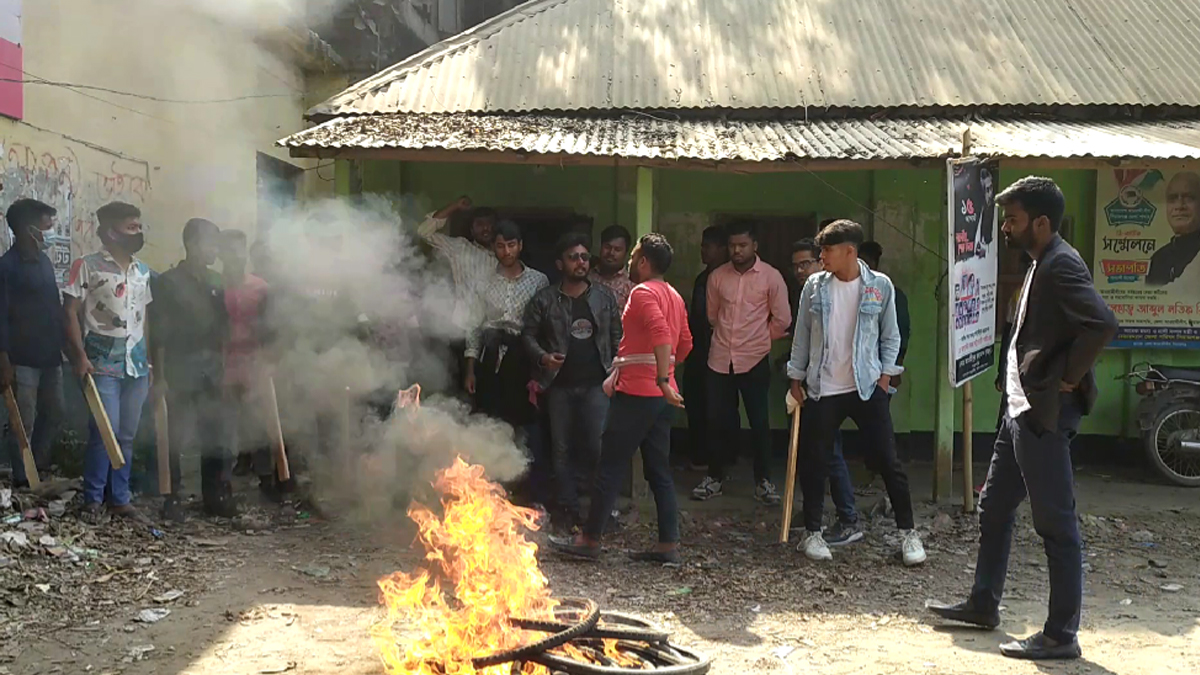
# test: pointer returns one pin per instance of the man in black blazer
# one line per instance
(1061, 326)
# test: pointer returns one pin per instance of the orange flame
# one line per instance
(480, 571)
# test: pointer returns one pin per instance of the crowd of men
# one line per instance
(849, 335)
(538, 355)
(188, 336)
(587, 363)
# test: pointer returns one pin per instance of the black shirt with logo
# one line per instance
(582, 366)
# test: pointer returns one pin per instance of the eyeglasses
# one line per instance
(805, 264)
(579, 256)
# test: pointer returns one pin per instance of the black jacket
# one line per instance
(698, 323)
(1067, 324)
(548, 325)
(1169, 261)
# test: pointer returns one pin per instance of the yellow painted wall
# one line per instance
(78, 149)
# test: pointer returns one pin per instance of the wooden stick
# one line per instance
(18, 428)
(968, 426)
(162, 440)
(789, 484)
(115, 456)
(275, 428)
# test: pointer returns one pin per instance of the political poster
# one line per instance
(974, 266)
(1145, 265)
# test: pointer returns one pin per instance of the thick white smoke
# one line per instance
(358, 313)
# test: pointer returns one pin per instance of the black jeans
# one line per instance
(1037, 463)
(695, 393)
(501, 390)
(820, 422)
(576, 422)
(754, 386)
(195, 423)
(633, 422)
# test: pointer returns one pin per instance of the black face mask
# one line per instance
(130, 243)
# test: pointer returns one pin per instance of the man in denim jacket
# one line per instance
(843, 357)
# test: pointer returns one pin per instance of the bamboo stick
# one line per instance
(18, 427)
(115, 456)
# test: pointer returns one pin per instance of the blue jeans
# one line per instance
(39, 397)
(840, 487)
(123, 398)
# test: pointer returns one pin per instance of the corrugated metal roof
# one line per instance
(643, 136)
(549, 55)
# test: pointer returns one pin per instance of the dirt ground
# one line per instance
(299, 598)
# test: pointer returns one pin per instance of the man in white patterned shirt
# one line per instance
(471, 260)
(498, 367)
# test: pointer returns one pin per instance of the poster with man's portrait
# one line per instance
(1146, 266)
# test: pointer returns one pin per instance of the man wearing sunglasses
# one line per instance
(571, 332)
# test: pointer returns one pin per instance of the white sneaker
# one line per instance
(814, 547)
(707, 489)
(911, 548)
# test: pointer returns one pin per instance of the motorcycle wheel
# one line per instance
(1176, 423)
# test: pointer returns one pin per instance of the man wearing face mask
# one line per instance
(189, 324)
(31, 332)
(110, 289)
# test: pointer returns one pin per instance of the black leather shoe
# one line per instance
(965, 612)
(672, 557)
(1038, 647)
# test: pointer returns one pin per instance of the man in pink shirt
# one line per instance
(644, 398)
(748, 308)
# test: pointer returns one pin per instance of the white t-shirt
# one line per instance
(837, 370)
(1017, 403)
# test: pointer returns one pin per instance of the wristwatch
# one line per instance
(663, 380)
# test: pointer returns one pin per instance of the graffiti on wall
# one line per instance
(55, 174)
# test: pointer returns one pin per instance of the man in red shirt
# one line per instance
(644, 395)
(748, 308)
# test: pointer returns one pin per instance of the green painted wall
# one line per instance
(904, 209)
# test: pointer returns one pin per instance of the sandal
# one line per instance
(567, 546)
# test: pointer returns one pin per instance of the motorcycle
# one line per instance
(1169, 417)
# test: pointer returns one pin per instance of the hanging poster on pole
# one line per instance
(1147, 264)
(974, 266)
